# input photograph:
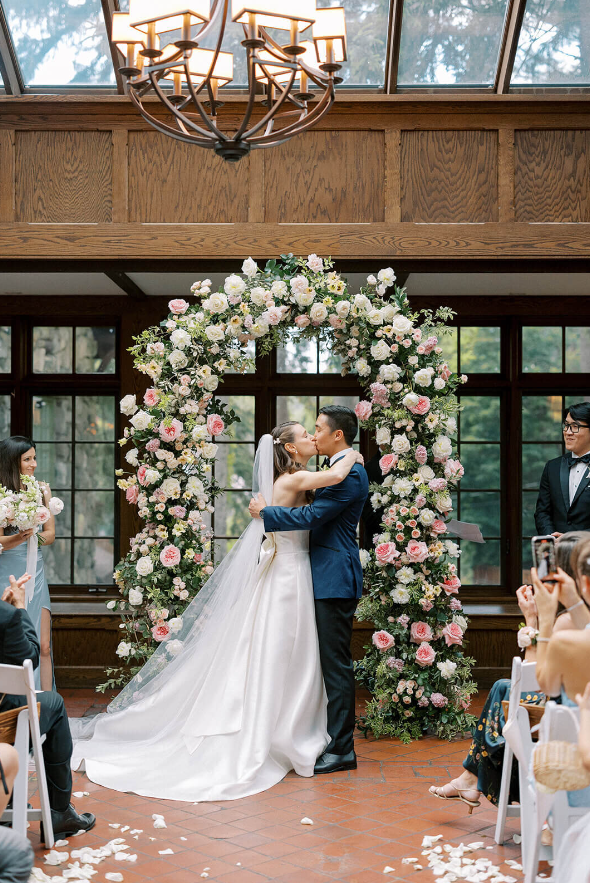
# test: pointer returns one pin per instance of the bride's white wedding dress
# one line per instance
(244, 702)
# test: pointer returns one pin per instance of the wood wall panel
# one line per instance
(64, 177)
(326, 177)
(449, 176)
(173, 182)
(552, 171)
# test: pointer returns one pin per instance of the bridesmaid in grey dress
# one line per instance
(17, 457)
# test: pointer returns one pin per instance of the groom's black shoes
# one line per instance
(69, 822)
(334, 763)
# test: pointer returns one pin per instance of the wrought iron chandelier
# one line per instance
(187, 78)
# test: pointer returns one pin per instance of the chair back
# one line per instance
(15, 680)
(561, 723)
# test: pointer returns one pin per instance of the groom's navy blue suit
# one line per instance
(332, 520)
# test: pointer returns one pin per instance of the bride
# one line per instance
(237, 699)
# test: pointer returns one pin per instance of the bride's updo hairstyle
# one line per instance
(11, 451)
(282, 460)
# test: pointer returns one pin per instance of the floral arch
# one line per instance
(415, 667)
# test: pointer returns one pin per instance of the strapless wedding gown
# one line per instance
(235, 723)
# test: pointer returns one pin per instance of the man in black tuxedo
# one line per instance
(564, 495)
(19, 641)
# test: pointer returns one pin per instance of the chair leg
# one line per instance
(504, 795)
(20, 792)
(43, 791)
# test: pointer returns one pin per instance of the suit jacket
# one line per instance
(332, 520)
(18, 641)
(554, 511)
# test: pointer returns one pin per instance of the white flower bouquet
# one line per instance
(26, 509)
(7, 503)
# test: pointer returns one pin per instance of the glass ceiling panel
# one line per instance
(366, 33)
(450, 42)
(60, 42)
(554, 44)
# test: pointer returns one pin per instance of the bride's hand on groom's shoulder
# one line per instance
(359, 458)
(257, 503)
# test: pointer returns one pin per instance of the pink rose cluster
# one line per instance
(453, 634)
(425, 655)
(429, 344)
(363, 410)
(387, 463)
(170, 556)
(438, 700)
(419, 632)
(438, 527)
(379, 394)
(153, 445)
(215, 424)
(151, 397)
(178, 306)
(437, 484)
(421, 407)
(417, 551)
(170, 432)
(451, 585)
(421, 455)
(383, 640)
(386, 553)
(141, 475)
(302, 321)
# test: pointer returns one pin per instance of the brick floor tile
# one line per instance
(242, 876)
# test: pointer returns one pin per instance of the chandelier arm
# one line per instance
(204, 116)
(165, 129)
(208, 26)
(273, 110)
(217, 49)
(310, 71)
(271, 78)
(319, 111)
(251, 95)
(180, 117)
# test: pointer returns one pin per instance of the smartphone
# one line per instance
(543, 549)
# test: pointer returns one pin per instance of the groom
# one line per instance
(332, 518)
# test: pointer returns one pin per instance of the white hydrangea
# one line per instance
(452, 548)
(400, 594)
(365, 557)
(249, 268)
(383, 435)
(442, 447)
(234, 285)
(180, 338)
(400, 444)
(214, 333)
(446, 668)
(380, 350)
(135, 597)
(177, 359)
(386, 276)
(141, 420)
(402, 487)
(128, 405)
(131, 457)
(144, 566)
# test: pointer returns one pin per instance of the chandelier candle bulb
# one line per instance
(329, 36)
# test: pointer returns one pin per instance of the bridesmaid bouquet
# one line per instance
(26, 509)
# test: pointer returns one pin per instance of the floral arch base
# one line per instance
(415, 668)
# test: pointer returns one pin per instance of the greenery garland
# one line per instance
(415, 667)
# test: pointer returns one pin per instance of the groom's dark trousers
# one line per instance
(332, 518)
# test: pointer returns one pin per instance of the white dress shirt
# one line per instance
(576, 475)
(337, 456)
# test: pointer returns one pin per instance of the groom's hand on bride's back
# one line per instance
(257, 504)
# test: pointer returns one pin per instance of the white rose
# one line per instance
(363, 368)
(410, 400)
(375, 317)
(211, 383)
(124, 649)
(128, 405)
(171, 487)
(446, 668)
(423, 377)
(55, 505)
(401, 325)
(259, 296)
(216, 303)
(111, 605)
(389, 372)
(199, 432)
(451, 425)
(180, 338)
(305, 298)
(425, 472)
(144, 566)
(386, 276)
(405, 575)
(400, 444)
(442, 447)
(195, 486)
(177, 359)
(400, 595)
(135, 597)
(461, 621)
(209, 450)
(371, 280)
(174, 647)
(388, 312)
(452, 548)
(278, 288)
(362, 303)
(380, 350)
(439, 383)
(214, 332)
(318, 313)
(141, 420)
(397, 386)
(234, 285)
(131, 457)
(150, 476)
(382, 435)
(402, 487)
(249, 268)
(259, 328)
(444, 504)
(427, 517)
(342, 308)
(365, 557)
(175, 624)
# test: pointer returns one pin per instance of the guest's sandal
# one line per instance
(437, 791)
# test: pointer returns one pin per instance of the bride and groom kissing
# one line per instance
(259, 680)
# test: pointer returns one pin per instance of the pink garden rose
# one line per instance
(170, 556)
(383, 640)
(387, 462)
(160, 631)
(386, 553)
(451, 585)
(302, 321)
(454, 470)
(417, 551)
(177, 511)
(141, 475)
(151, 397)
(363, 410)
(178, 306)
(421, 407)
(132, 494)
(380, 394)
(335, 321)
(172, 432)
(438, 700)
(42, 515)
(153, 445)
(429, 344)
(403, 620)
(453, 634)
(198, 559)
(419, 632)
(437, 484)
(425, 655)
(444, 371)
(421, 455)
(420, 501)
(438, 526)
(215, 424)
(273, 315)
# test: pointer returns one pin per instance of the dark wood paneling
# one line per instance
(335, 177)
(552, 175)
(85, 637)
(449, 176)
(64, 177)
(173, 182)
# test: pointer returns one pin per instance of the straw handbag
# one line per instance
(557, 765)
(8, 721)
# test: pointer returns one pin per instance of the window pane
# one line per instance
(93, 562)
(534, 458)
(95, 514)
(95, 350)
(5, 349)
(95, 466)
(56, 559)
(480, 349)
(450, 42)
(329, 362)
(52, 418)
(244, 407)
(479, 564)
(234, 465)
(221, 548)
(4, 416)
(480, 418)
(60, 42)
(302, 409)
(529, 501)
(231, 514)
(448, 342)
(483, 510)
(250, 350)
(577, 350)
(541, 418)
(54, 465)
(52, 350)
(527, 560)
(366, 29)
(63, 521)
(297, 356)
(553, 46)
(95, 418)
(348, 402)
(568, 401)
(482, 466)
(541, 350)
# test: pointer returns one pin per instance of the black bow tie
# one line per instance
(326, 463)
(573, 461)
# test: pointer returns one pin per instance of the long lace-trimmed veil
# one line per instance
(205, 619)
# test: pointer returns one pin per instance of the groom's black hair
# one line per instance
(341, 417)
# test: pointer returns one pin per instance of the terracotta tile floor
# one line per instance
(363, 820)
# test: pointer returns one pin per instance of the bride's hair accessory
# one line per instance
(276, 441)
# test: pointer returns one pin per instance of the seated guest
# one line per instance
(563, 503)
(18, 641)
(483, 765)
(16, 853)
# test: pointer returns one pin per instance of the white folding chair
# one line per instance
(17, 680)
(518, 742)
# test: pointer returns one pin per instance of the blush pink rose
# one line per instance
(453, 634)
(335, 321)
(198, 559)
(386, 553)
(445, 372)
(215, 424)
(451, 585)
(387, 462)
(425, 655)
(172, 432)
(151, 397)
(438, 700)
(178, 306)
(417, 551)
(421, 455)
(454, 470)
(420, 501)
(383, 640)
(419, 632)
(421, 407)
(132, 494)
(177, 511)
(437, 484)
(426, 605)
(455, 604)
(170, 556)
(438, 527)
(302, 321)
(429, 344)
(153, 445)
(42, 515)
(363, 410)
(160, 631)
(141, 475)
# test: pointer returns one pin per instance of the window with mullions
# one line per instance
(554, 349)
(304, 356)
(472, 349)
(5, 349)
(304, 409)
(80, 350)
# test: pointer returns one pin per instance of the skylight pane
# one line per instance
(450, 42)
(554, 44)
(60, 42)
(366, 34)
